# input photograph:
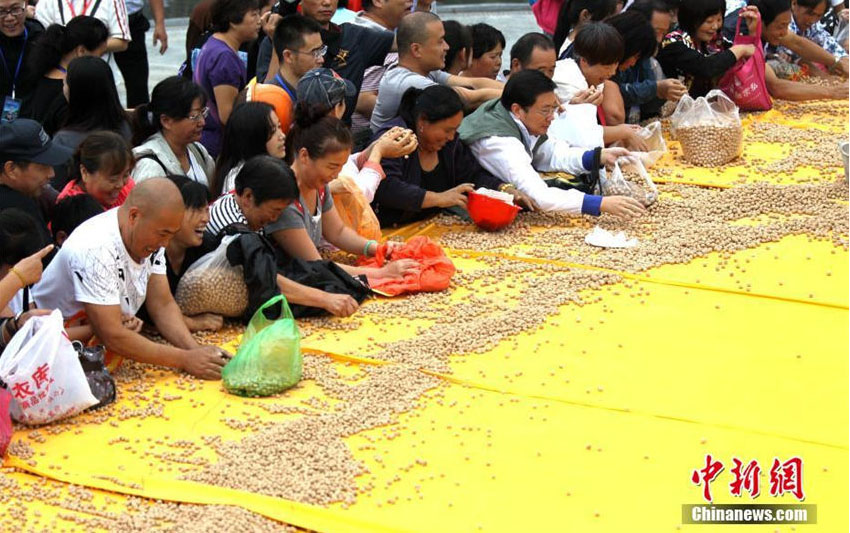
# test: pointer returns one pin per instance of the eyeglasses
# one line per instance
(15, 12)
(197, 117)
(317, 54)
(547, 112)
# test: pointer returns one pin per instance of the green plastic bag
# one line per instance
(269, 359)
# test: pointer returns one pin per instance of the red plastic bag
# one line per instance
(5, 421)
(745, 83)
(435, 272)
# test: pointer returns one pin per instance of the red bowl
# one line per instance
(490, 214)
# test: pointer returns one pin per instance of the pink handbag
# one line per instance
(744, 83)
(5, 422)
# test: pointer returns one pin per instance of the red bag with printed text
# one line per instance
(745, 82)
(435, 272)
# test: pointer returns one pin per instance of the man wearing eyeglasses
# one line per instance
(351, 49)
(17, 35)
(298, 44)
(508, 137)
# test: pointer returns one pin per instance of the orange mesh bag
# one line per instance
(353, 209)
(435, 268)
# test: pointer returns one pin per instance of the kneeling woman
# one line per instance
(264, 187)
(190, 243)
(321, 149)
(440, 172)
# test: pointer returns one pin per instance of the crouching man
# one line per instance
(114, 263)
(508, 137)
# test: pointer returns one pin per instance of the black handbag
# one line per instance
(100, 381)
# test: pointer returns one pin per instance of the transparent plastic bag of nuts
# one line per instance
(212, 285)
(709, 129)
(617, 182)
(656, 146)
(269, 359)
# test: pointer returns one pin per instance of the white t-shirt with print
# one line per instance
(113, 13)
(93, 266)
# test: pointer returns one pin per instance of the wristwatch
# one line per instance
(505, 186)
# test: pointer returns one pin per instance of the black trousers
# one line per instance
(133, 62)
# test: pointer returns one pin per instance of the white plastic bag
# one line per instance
(614, 183)
(708, 128)
(212, 285)
(42, 371)
(656, 146)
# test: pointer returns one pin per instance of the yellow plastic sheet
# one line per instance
(592, 422)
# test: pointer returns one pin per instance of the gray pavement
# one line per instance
(513, 20)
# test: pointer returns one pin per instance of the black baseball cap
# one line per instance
(324, 87)
(25, 140)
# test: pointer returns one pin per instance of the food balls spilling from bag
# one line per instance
(212, 285)
(709, 129)
(629, 178)
(269, 359)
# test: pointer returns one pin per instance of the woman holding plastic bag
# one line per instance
(775, 16)
(695, 51)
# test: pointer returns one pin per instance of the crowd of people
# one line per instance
(104, 207)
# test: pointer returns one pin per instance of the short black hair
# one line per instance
(525, 45)
(19, 236)
(485, 38)
(290, 31)
(413, 29)
(637, 33)
(71, 211)
(599, 43)
(648, 7)
(770, 9)
(195, 195)
(223, 13)
(813, 3)
(269, 178)
(458, 37)
(525, 87)
(694, 12)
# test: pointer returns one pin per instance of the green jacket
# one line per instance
(491, 119)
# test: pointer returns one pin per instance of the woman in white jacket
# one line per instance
(168, 130)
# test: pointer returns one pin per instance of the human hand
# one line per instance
(671, 89)
(622, 206)
(610, 155)
(751, 16)
(588, 96)
(396, 142)
(455, 197)
(205, 322)
(205, 362)
(268, 23)
(520, 198)
(133, 323)
(161, 36)
(29, 269)
(743, 50)
(399, 269)
(839, 92)
(19, 323)
(341, 305)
